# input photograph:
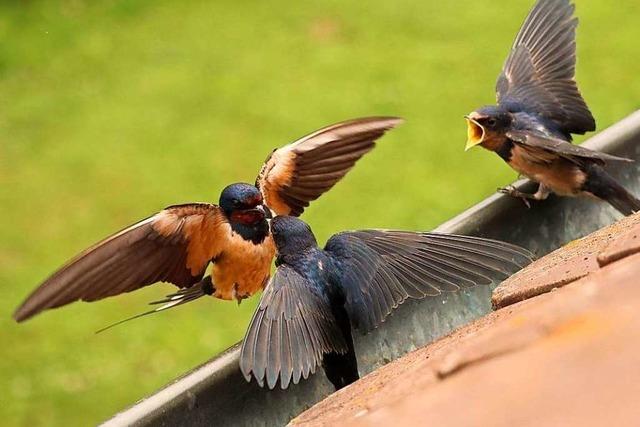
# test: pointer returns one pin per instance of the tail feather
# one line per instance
(183, 296)
(342, 369)
(602, 185)
(624, 202)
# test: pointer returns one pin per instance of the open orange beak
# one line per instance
(475, 133)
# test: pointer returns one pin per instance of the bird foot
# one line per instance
(510, 190)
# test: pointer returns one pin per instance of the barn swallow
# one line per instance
(539, 107)
(177, 244)
(317, 296)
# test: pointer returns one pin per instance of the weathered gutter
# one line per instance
(217, 394)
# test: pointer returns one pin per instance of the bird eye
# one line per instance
(491, 122)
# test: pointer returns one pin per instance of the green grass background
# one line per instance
(111, 110)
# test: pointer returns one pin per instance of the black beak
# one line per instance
(265, 210)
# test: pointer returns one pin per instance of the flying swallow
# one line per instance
(177, 244)
(317, 296)
(539, 107)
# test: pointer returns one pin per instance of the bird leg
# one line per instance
(542, 193)
(237, 295)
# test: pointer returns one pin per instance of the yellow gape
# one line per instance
(475, 133)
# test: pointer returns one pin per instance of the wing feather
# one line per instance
(545, 149)
(380, 269)
(291, 329)
(302, 171)
(175, 245)
(539, 74)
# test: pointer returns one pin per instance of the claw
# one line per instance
(510, 190)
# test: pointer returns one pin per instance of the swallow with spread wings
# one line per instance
(539, 107)
(318, 296)
(177, 244)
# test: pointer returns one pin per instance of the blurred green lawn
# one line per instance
(110, 111)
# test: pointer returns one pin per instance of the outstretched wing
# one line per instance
(544, 149)
(381, 269)
(291, 329)
(539, 74)
(175, 245)
(302, 171)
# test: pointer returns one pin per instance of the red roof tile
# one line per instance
(567, 264)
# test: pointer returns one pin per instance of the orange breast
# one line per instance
(561, 176)
(243, 268)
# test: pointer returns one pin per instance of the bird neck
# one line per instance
(495, 143)
(295, 256)
(503, 149)
(255, 233)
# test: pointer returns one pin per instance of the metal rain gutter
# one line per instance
(217, 393)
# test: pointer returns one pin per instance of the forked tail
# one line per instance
(602, 185)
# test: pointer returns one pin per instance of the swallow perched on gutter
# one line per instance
(317, 296)
(539, 107)
(177, 244)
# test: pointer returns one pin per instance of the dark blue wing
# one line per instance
(381, 269)
(539, 74)
(549, 148)
(290, 331)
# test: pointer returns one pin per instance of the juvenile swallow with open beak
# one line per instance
(539, 107)
(317, 296)
(177, 244)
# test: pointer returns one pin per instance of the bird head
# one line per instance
(486, 125)
(242, 203)
(291, 235)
